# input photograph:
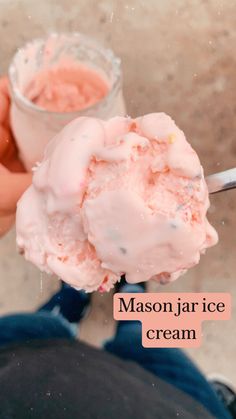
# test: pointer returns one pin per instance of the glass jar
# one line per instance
(34, 127)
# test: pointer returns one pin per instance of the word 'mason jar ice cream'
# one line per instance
(123, 196)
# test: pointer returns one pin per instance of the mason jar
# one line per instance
(33, 127)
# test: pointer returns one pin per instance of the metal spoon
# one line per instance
(221, 181)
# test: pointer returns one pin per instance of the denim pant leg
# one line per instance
(23, 327)
(169, 364)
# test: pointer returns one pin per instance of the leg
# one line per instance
(71, 304)
(57, 318)
(26, 326)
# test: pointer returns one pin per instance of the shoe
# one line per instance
(71, 304)
(124, 286)
(226, 393)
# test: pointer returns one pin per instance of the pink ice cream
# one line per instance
(124, 196)
(67, 87)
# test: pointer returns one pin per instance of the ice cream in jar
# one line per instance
(56, 79)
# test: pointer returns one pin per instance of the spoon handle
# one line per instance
(221, 181)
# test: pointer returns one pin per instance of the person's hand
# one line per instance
(13, 179)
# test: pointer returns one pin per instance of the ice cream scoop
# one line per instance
(221, 181)
(123, 196)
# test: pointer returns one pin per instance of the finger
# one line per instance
(4, 108)
(15, 165)
(4, 101)
(12, 186)
(8, 151)
(4, 86)
(6, 142)
(6, 223)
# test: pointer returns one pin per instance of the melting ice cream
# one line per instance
(123, 196)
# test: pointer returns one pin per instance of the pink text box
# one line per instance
(172, 319)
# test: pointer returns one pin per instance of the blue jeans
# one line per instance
(171, 365)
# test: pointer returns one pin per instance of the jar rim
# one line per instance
(106, 52)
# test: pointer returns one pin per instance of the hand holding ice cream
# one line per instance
(13, 181)
(116, 197)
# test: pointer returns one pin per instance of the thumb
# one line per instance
(12, 186)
